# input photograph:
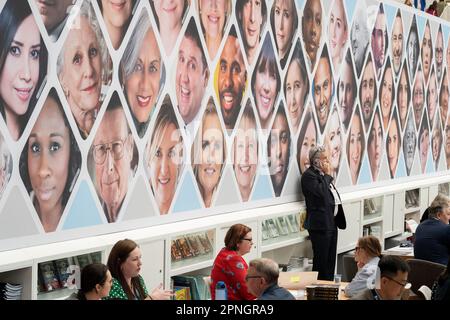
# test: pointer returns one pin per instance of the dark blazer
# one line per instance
(432, 241)
(320, 202)
(275, 292)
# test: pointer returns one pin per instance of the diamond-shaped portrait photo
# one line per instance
(208, 154)
(338, 32)
(356, 144)
(427, 52)
(333, 142)
(279, 150)
(245, 152)
(23, 65)
(368, 91)
(403, 95)
(284, 21)
(231, 79)
(347, 89)
(214, 15)
(50, 162)
(296, 87)
(359, 36)
(251, 16)
(375, 145)
(393, 143)
(169, 16)
(409, 143)
(117, 17)
(142, 73)
(164, 156)
(436, 141)
(266, 83)
(112, 158)
(432, 97)
(379, 40)
(387, 93)
(84, 69)
(54, 15)
(397, 43)
(312, 24)
(307, 139)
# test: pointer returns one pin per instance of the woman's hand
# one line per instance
(160, 294)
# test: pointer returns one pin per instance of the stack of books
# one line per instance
(10, 291)
(189, 246)
(322, 292)
(281, 226)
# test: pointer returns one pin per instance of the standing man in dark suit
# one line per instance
(324, 213)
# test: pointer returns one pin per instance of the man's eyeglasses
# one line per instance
(252, 277)
(398, 282)
(101, 150)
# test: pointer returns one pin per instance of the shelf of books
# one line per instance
(192, 251)
(373, 209)
(412, 200)
(374, 229)
(282, 231)
(59, 278)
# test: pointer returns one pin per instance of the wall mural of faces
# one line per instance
(214, 94)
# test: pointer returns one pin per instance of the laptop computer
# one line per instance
(297, 280)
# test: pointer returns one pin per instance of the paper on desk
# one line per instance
(295, 279)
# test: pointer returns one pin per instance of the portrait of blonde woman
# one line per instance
(245, 152)
(355, 146)
(296, 87)
(214, 15)
(208, 154)
(83, 69)
(337, 33)
(333, 142)
(164, 155)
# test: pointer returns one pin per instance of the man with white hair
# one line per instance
(262, 280)
(324, 212)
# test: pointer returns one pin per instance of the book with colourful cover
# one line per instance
(49, 276)
(182, 293)
(204, 240)
(175, 251)
(195, 245)
(63, 272)
(184, 248)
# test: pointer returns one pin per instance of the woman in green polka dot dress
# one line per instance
(124, 262)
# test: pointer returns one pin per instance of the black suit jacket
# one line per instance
(320, 202)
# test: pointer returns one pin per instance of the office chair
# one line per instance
(423, 273)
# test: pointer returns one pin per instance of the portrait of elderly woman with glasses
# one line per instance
(112, 159)
(324, 212)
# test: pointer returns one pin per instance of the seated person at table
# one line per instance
(441, 288)
(230, 267)
(440, 200)
(393, 279)
(432, 238)
(367, 256)
(262, 280)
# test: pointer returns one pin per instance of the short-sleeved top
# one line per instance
(117, 291)
(230, 268)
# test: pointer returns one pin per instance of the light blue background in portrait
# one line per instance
(187, 198)
(446, 33)
(390, 12)
(83, 212)
(429, 168)
(350, 5)
(263, 186)
(300, 4)
(401, 168)
(364, 172)
(421, 26)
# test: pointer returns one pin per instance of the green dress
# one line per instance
(117, 291)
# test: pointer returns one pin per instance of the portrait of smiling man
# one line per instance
(397, 43)
(111, 159)
(323, 88)
(191, 76)
(232, 75)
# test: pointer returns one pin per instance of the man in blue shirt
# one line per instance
(432, 238)
(262, 280)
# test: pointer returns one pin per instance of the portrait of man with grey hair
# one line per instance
(409, 143)
(359, 37)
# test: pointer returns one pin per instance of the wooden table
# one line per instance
(296, 282)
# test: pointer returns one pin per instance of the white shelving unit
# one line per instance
(21, 265)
